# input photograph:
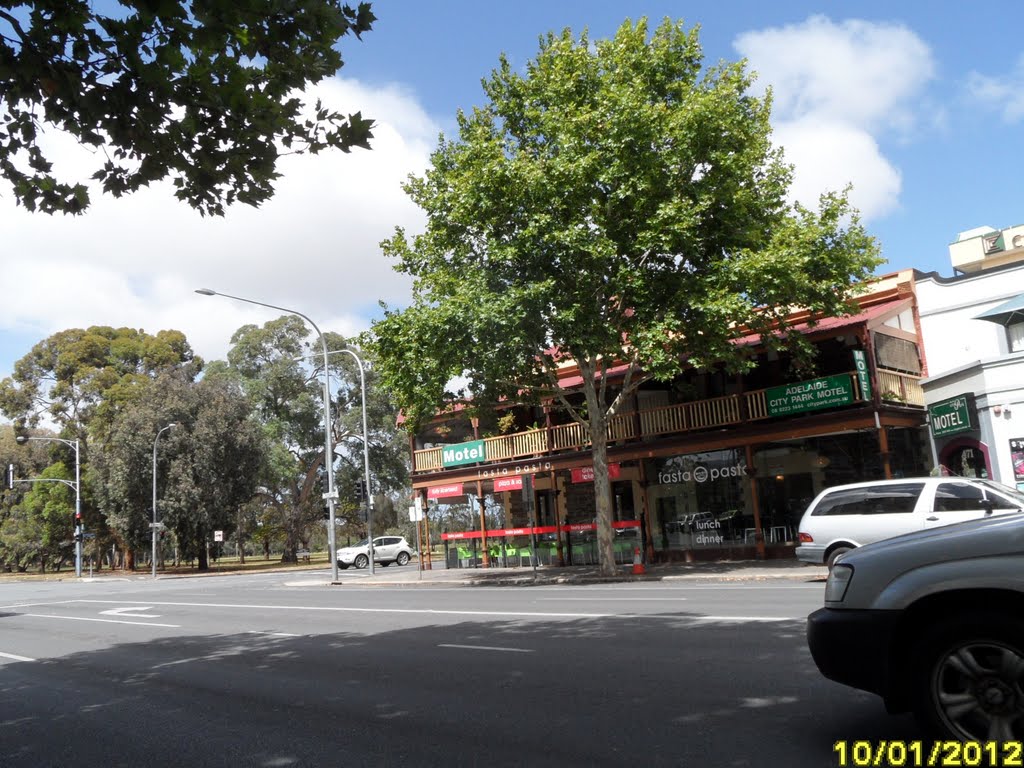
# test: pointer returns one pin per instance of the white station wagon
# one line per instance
(848, 516)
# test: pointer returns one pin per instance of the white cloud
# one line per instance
(1003, 94)
(313, 247)
(837, 88)
(828, 155)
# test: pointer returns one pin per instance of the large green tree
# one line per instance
(203, 92)
(615, 202)
(79, 380)
(282, 372)
(207, 466)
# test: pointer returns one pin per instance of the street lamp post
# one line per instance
(366, 458)
(155, 441)
(332, 494)
(77, 485)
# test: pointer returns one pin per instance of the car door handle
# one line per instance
(931, 519)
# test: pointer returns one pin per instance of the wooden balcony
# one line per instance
(652, 423)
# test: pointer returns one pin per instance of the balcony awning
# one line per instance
(869, 317)
(1007, 313)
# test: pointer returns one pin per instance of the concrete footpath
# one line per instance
(740, 570)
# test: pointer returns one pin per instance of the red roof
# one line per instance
(835, 323)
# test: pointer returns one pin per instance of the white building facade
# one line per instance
(972, 326)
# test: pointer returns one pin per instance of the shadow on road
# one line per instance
(663, 690)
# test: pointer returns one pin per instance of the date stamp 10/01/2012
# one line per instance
(925, 754)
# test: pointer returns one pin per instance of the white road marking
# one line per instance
(338, 609)
(630, 598)
(746, 618)
(485, 648)
(130, 612)
(273, 634)
(102, 621)
(14, 657)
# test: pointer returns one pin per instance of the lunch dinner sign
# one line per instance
(812, 395)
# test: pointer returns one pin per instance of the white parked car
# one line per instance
(848, 516)
(386, 550)
(933, 622)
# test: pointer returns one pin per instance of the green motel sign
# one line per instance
(462, 453)
(951, 417)
(813, 395)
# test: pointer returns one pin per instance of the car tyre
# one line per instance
(361, 561)
(403, 558)
(968, 682)
(834, 555)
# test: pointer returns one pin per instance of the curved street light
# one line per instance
(366, 457)
(155, 441)
(77, 485)
(332, 494)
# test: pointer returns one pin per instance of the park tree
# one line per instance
(77, 379)
(207, 465)
(613, 203)
(282, 373)
(207, 93)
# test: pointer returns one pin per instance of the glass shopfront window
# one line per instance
(700, 501)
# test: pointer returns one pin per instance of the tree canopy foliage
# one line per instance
(618, 204)
(282, 374)
(203, 92)
(247, 456)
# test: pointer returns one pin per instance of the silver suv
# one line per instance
(933, 622)
(386, 550)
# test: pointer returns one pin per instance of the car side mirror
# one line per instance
(986, 504)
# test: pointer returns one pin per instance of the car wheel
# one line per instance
(834, 554)
(361, 561)
(403, 558)
(968, 679)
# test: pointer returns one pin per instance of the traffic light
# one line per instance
(360, 490)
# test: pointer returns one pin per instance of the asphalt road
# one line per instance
(283, 670)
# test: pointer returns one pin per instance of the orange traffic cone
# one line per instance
(638, 567)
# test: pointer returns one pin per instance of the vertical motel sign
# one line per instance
(860, 362)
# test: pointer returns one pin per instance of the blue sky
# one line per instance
(919, 104)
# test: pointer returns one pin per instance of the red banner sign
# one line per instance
(586, 474)
(514, 483)
(498, 533)
(444, 491)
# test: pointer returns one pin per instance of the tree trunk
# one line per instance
(598, 422)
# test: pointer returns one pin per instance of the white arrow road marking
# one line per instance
(129, 611)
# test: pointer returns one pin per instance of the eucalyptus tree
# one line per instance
(204, 93)
(80, 379)
(207, 465)
(618, 204)
(281, 370)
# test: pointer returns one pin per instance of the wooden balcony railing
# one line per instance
(671, 419)
(900, 388)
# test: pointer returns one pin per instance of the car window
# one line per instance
(1013, 497)
(958, 497)
(873, 500)
(390, 541)
(1001, 502)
